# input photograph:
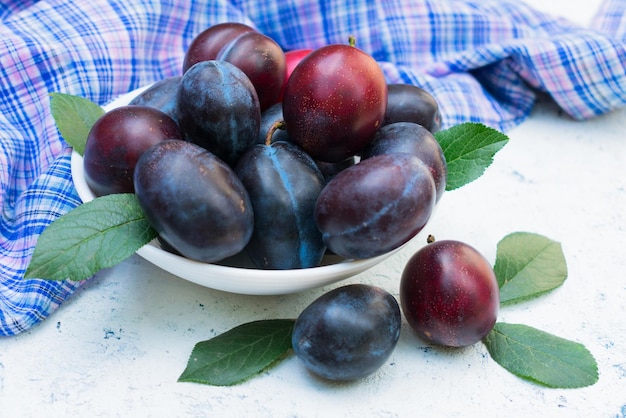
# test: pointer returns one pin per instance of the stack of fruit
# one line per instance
(283, 155)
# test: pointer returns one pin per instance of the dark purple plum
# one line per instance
(330, 170)
(262, 60)
(193, 200)
(166, 246)
(449, 294)
(283, 183)
(414, 139)
(208, 43)
(117, 140)
(160, 95)
(375, 206)
(347, 333)
(269, 117)
(334, 102)
(218, 109)
(409, 103)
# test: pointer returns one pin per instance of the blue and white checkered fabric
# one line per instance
(483, 60)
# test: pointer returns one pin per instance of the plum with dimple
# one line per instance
(283, 183)
(449, 294)
(347, 333)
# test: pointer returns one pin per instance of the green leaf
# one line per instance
(74, 117)
(95, 235)
(528, 265)
(541, 357)
(239, 354)
(469, 149)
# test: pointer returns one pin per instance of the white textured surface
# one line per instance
(117, 347)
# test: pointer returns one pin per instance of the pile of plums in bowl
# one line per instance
(307, 163)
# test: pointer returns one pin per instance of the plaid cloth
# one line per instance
(484, 61)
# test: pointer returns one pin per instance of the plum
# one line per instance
(347, 333)
(376, 205)
(160, 95)
(269, 118)
(218, 109)
(193, 200)
(283, 183)
(334, 102)
(116, 141)
(414, 139)
(409, 103)
(262, 60)
(330, 170)
(449, 294)
(208, 43)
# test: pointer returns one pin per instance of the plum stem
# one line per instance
(279, 124)
(430, 239)
(352, 40)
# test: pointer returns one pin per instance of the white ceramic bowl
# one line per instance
(237, 274)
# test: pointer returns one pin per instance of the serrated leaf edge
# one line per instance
(487, 132)
(548, 243)
(593, 378)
